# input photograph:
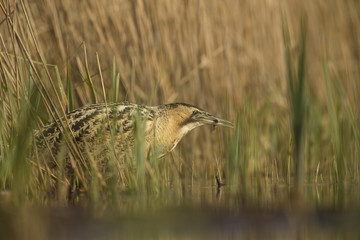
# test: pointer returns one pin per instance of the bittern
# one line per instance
(112, 126)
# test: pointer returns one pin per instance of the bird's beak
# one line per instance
(207, 118)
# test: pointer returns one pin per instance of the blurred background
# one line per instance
(231, 58)
(211, 54)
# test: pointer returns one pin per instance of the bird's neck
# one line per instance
(169, 133)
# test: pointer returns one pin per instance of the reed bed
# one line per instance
(286, 73)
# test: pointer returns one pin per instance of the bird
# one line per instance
(100, 129)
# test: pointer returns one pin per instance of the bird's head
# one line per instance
(188, 117)
(175, 120)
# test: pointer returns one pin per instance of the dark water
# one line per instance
(196, 212)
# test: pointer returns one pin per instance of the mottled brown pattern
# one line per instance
(99, 128)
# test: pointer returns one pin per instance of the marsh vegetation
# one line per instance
(286, 73)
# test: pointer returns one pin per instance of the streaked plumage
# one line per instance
(96, 128)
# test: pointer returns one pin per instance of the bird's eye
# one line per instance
(195, 112)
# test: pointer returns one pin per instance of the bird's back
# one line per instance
(98, 128)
